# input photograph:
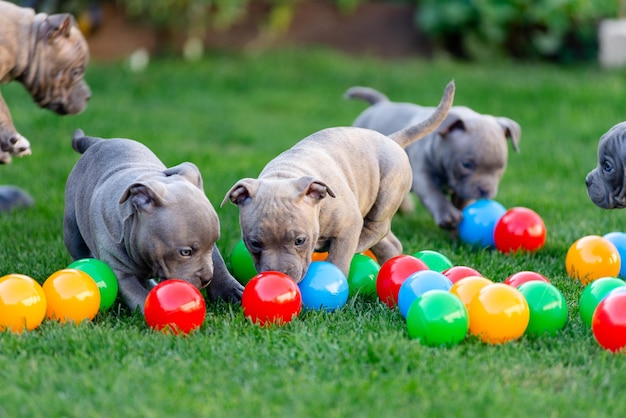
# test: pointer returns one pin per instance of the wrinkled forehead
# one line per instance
(614, 141)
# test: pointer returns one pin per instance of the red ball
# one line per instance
(456, 273)
(271, 297)
(609, 322)
(522, 277)
(519, 229)
(174, 306)
(392, 274)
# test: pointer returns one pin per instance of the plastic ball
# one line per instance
(434, 260)
(521, 277)
(590, 258)
(371, 255)
(593, 293)
(619, 240)
(242, 263)
(419, 283)
(362, 275)
(22, 303)
(468, 287)
(519, 229)
(609, 322)
(498, 313)
(104, 277)
(478, 223)
(392, 274)
(319, 256)
(71, 296)
(437, 318)
(456, 273)
(548, 309)
(174, 306)
(324, 286)
(270, 298)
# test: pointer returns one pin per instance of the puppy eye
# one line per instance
(185, 252)
(76, 72)
(468, 164)
(300, 241)
(607, 167)
(254, 245)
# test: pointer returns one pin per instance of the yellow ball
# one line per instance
(22, 303)
(468, 287)
(592, 257)
(72, 296)
(498, 313)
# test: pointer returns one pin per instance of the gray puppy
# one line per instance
(463, 160)
(606, 184)
(124, 207)
(336, 190)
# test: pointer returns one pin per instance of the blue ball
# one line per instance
(479, 221)
(619, 240)
(324, 286)
(419, 283)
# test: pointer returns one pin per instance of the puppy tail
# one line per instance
(411, 134)
(80, 142)
(365, 93)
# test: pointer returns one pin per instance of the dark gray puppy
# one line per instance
(606, 184)
(124, 207)
(461, 161)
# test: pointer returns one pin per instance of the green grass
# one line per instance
(230, 114)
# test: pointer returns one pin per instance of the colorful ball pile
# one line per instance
(442, 308)
(487, 223)
(74, 294)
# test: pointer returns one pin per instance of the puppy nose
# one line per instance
(483, 193)
(588, 181)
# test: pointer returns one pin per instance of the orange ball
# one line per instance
(22, 303)
(499, 313)
(72, 296)
(592, 257)
(468, 287)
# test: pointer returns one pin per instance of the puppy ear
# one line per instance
(57, 25)
(313, 189)
(241, 192)
(144, 196)
(450, 123)
(512, 131)
(187, 170)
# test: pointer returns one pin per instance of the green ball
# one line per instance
(547, 306)
(242, 263)
(593, 294)
(437, 318)
(104, 277)
(434, 260)
(362, 275)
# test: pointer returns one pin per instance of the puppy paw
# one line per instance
(449, 219)
(13, 145)
(229, 290)
(12, 197)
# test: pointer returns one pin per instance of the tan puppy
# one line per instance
(336, 190)
(463, 160)
(48, 55)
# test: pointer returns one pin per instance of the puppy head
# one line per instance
(606, 184)
(56, 80)
(172, 228)
(280, 221)
(474, 150)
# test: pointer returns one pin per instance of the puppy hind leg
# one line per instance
(387, 248)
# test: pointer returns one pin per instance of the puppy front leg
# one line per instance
(11, 142)
(432, 197)
(223, 285)
(133, 294)
(341, 250)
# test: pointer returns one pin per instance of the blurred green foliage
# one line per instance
(559, 30)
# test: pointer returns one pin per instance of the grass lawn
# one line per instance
(230, 114)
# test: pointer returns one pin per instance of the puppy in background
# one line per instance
(606, 184)
(461, 161)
